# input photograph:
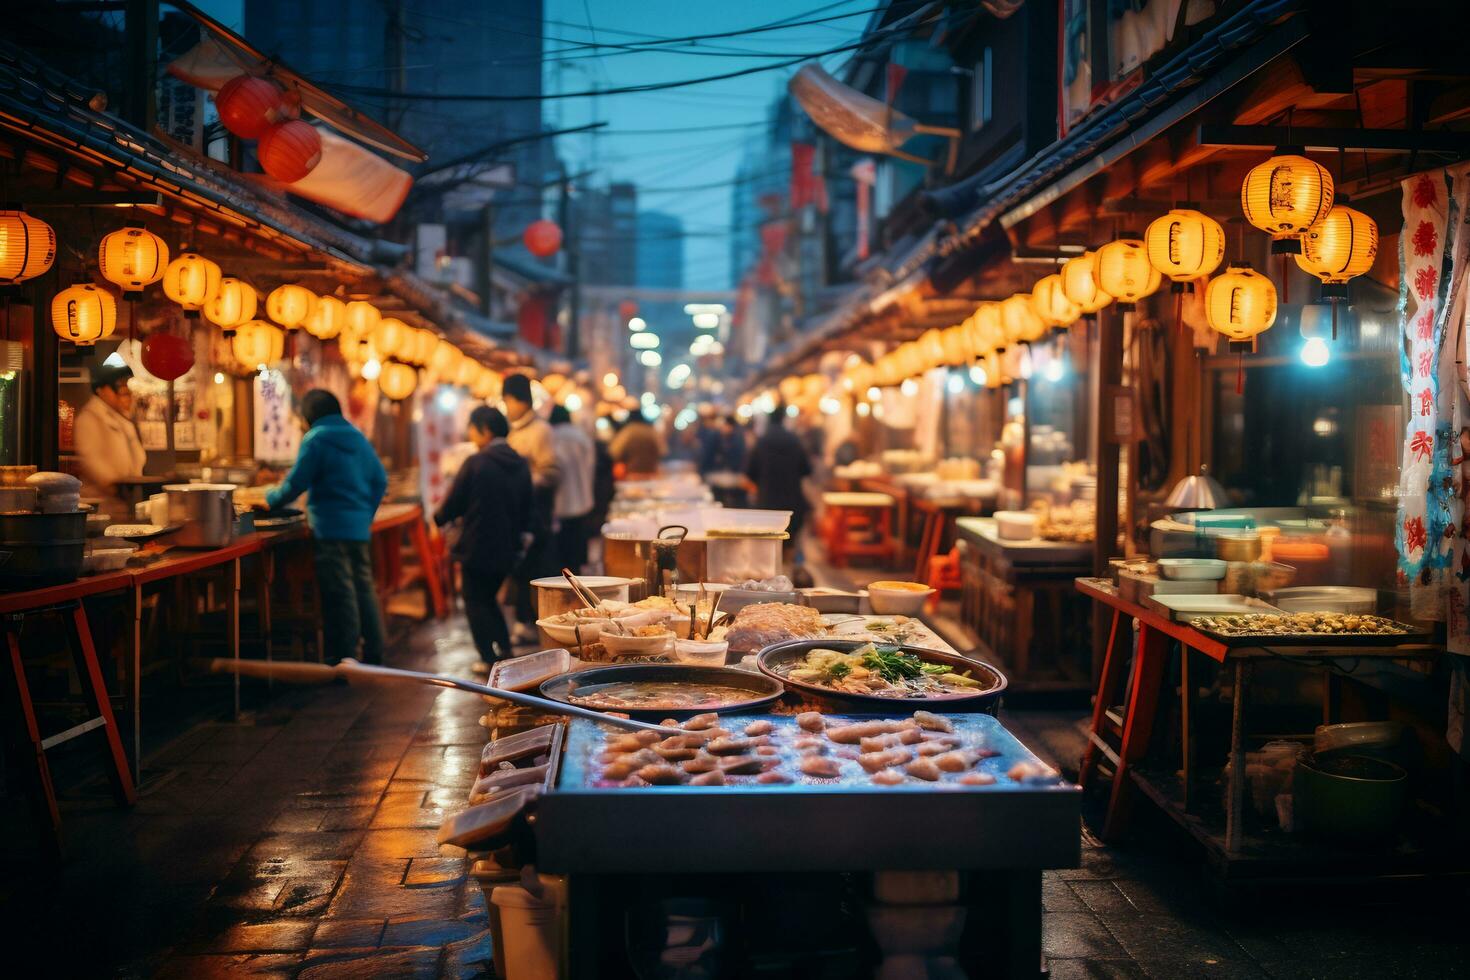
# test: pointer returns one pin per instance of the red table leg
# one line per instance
(1143, 702)
(85, 653)
(1107, 686)
(420, 537)
(45, 794)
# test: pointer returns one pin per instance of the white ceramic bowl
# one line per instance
(1015, 525)
(635, 646)
(1192, 569)
(898, 602)
(702, 653)
(566, 633)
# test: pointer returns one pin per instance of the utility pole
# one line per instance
(569, 242)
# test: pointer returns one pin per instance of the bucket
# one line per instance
(529, 927)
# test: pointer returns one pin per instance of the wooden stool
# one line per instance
(84, 653)
(852, 514)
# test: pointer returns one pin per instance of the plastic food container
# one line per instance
(1015, 525)
(743, 556)
(746, 521)
(898, 598)
(701, 653)
(1192, 569)
(530, 926)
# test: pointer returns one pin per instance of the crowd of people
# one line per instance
(527, 497)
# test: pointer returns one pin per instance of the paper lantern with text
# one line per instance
(290, 305)
(290, 150)
(83, 314)
(27, 246)
(249, 106)
(1185, 245)
(131, 258)
(392, 336)
(1341, 246)
(1079, 282)
(233, 304)
(542, 238)
(1284, 197)
(1022, 324)
(1051, 302)
(257, 342)
(1125, 273)
(326, 317)
(191, 280)
(1240, 303)
(167, 356)
(398, 380)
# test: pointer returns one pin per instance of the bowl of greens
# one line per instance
(890, 675)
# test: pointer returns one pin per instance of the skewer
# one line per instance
(359, 673)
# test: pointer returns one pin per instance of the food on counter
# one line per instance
(759, 625)
(922, 768)
(657, 602)
(888, 586)
(1075, 523)
(811, 721)
(880, 670)
(777, 583)
(1299, 624)
(657, 695)
(896, 751)
(873, 761)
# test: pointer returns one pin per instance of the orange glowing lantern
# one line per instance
(1051, 302)
(131, 258)
(233, 304)
(83, 314)
(1185, 245)
(1079, 282)
(326, 318)
(191, 280)
(27, 246)
(1124, 272)
(257, 343)
(398, 380)
(1285, 196)
(290, 305)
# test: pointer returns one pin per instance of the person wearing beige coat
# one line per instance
(107, 443)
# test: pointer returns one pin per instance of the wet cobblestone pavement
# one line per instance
(300, 843)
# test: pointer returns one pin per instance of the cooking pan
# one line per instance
(777, 657)
(586, 683)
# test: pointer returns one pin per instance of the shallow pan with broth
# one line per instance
(774, 659)
(746, 691)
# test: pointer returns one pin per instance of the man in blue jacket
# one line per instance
(339, 471)
(491, 498)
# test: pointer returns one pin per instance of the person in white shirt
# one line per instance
(107, 443)
(576, 457)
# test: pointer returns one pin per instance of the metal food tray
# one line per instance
(809, 824)
(1321, 640)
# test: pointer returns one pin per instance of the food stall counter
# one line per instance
(1018, 597)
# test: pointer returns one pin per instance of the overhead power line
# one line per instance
(370, 92)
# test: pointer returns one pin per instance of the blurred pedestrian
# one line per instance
(106, 439)
(733, 446)
(531, 437)
(344, 481)
(709, 442)
(577, 458)
(637, 447)
(778, 464)
(491, 497)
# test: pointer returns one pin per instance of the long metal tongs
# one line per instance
(360, 673)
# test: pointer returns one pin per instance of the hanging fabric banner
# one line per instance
(1454, 405)
(1426, 529)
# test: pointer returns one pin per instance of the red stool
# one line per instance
(859, 524)
(944, 573)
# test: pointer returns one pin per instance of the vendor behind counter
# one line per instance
(107, 443)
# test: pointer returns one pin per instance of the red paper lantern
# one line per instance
(290, 150)
(627, 309)
(167, 356)
(542, 238)
(248, 106)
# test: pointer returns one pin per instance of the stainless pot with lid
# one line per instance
(206, 512)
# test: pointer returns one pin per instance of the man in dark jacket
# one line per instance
(491, 497)
(344, 481)
(777, 465)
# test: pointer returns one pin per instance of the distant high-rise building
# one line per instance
(660, 250)
(604, 230)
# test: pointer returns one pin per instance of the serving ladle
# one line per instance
(359, 673)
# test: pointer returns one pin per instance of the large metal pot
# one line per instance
(37, 550)
(633, 557)
(206, 511)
